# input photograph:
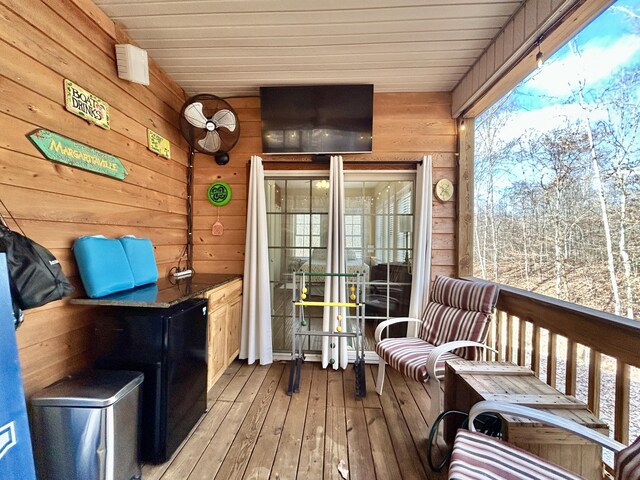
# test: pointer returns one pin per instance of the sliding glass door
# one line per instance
(378, 230)
(378, 239)
(297, 213)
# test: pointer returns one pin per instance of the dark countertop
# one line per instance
(165, 293)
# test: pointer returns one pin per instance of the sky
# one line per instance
(610, 42)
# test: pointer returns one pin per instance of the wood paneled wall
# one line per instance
(406, 126)
(42, 42)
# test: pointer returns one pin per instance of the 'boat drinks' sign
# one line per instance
(158, 144)
(64, 150)
(86, 105)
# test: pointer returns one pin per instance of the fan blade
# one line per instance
(225, 118)
(211, 142)
(193, 114)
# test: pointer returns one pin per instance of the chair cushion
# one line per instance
(409, 357)
(477, 456)
(453, 292)
(442, 324)
(628, 462)
(458, 310)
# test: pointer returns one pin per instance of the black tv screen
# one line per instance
(317, 119)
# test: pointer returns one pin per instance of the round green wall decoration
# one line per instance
(219, 193)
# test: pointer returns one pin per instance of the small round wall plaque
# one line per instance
(219, 193)
(444, 190)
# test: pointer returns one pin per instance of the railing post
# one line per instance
(522, 342)
(535, 351)
(621, 432)
(551, 360)
(491, 338)
(593, 400)
(510, 339)
(500, 336)
(572, 364)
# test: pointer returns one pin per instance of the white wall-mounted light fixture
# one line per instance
(133, 63)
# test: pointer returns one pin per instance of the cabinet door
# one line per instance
(234, 328)
(217, 352)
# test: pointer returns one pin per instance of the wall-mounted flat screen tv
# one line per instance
(317, 119)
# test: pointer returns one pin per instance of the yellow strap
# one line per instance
(326, 304)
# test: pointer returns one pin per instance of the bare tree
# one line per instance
(597, 182)
(621, 130)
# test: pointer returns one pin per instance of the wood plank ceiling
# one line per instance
(231, 47)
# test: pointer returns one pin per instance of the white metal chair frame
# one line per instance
(433, 384)
(546, 418)
(553, 421)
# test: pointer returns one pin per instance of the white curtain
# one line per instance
(421, 268)
(335, 287)
(256, 297)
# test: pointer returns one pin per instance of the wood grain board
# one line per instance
(253, 430)
(406, 126)
(42, 43)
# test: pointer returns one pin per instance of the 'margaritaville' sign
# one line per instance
(86, 105)
(64, 150)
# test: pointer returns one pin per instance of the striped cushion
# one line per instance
(628, 462)
(458, 310)
(442, 324)
(478, 457)
(453, 292)
(409, 357)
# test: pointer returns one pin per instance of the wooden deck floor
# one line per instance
(254, 430)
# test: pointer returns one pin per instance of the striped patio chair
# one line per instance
(477, 456)
(454, 325)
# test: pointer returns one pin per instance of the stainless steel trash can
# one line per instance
(85, 427)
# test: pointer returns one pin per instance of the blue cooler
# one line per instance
(103, 265)
(139, 252)
(16, 456)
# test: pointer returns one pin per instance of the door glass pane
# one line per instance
(378, 237)
(274, 191)
(297, 230)
(298, 195)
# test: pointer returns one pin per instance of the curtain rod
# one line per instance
(384, 162)
(347, 162)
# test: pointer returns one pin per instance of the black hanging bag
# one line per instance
(35, 275)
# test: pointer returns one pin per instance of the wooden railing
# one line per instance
(529, 326)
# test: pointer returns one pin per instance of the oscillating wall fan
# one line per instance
(210, 125)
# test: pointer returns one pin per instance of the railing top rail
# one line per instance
(611, 334)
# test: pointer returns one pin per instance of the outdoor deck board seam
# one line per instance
(256, 431)
(293, 430)
(240, 451)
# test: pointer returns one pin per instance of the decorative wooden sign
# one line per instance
(86, 105)
(158, 144)
(219, 194)
(64, 150)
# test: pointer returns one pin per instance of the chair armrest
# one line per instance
(392, 321)
(546, 418)
(437, 352)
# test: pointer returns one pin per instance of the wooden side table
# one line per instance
(467, 383)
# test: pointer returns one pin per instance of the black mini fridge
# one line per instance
(169, 345)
